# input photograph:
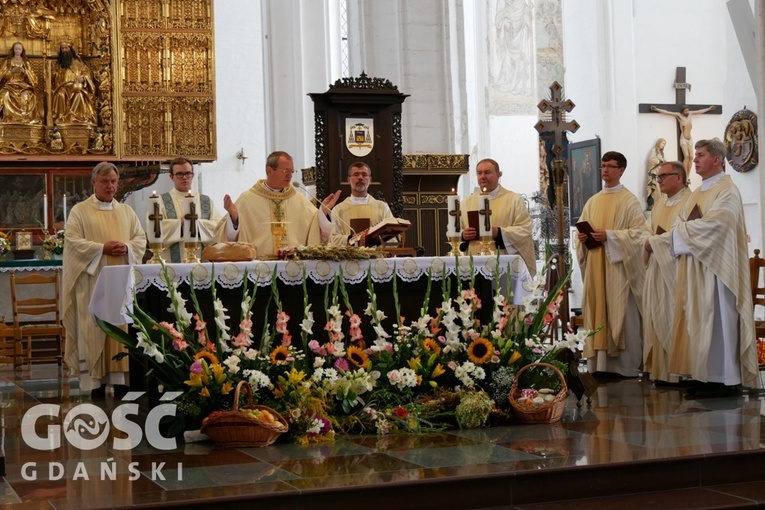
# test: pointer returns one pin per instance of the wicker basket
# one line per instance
(549, 412)
(234, 429)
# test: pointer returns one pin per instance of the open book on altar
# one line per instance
(382, 231)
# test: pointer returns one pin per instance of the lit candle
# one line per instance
(64, 209)
(45, 211)
(186, 236)
(484, 224)
(453, 229)
(154, 219)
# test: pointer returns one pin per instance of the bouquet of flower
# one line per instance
(410, 375)
(54, 243)
(5, 244)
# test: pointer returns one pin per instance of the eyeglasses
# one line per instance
(184, 175)
(612, 167)
(661, 177)
(285, 171)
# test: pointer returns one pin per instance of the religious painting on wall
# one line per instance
(741, 141)
(21, 201)
(68, 190)
(584, 175)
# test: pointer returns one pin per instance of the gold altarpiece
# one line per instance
(151, 94)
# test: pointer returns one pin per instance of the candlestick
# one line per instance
(64, 209)
(45, 212)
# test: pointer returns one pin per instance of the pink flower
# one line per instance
(196, 367)
(281, 322)
(286, 339)
(527, 320)
(341, 364)
(179, 344)
(200, 325)
(241, 340)
(442, 339)
(314, 346)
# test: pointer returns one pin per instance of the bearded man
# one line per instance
(73, 89)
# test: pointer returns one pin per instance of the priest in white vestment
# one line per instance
(182, 175)
(99, 232)
(359, 209)
(612, 274)
(510, 219)
(273, 200)
(659, 288)
(714, 339)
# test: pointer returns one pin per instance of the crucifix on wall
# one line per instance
(682, 112)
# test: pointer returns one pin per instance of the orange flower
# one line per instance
(357, 356)
(480, 351)
(226, 389)
(437, 371)
(205, 392)
(280, 355)
(431, 345)
(206, 355)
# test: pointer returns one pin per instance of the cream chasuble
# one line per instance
(171, 225)
(259, 207)
(356, 208)
(611, 295)
(714, 338)
(88, 351)
(510, 215)
(659, 288)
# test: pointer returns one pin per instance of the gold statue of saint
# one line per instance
(73, 89)
(18, 102)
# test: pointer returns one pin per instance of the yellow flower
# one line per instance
(357, 356)
(414, 363)
(439, 370)
(226, 389)
(431, 345)
(205, 392)
(514, 357)
(419, 380)
(218, 373)
(206, 355)
(480, 351)
(195, 380)
(280, 355)
(296, 375)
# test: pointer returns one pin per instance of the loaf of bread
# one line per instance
(229, 252)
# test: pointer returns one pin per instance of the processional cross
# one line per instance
(680, 87)
(157, 218)
(192, 217)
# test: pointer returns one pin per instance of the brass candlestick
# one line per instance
(191, 248)
(156, 251)
(487, 245)
(454, 242)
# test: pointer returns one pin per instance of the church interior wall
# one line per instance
(269, 55)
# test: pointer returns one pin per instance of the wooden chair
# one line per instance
(41, 339)
(10, 349)
(756, 265)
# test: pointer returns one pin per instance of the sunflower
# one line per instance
(431, 345)
(280, 355)
(480, 351)
(357, 356)
(206, 355)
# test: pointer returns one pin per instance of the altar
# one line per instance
(392, 279)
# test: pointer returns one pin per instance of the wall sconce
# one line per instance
(240, 155)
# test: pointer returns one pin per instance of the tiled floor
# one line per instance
(674, 452)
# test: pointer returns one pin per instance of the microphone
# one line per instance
(354, 238)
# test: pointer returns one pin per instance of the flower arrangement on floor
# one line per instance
(434, 372)
(53, 244)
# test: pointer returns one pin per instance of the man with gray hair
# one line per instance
(713, 339)
(99, 232)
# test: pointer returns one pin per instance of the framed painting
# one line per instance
(21, 201)
(583, 175)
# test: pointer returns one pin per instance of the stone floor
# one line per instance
(636, 446)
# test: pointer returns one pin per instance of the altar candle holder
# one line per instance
(191, 248)
(156, 250)
(454, 242)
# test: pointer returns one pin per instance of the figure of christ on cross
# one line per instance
(683, 113)
(192, 217)
(486, 213)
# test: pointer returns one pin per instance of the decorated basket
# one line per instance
(236, 429)
(548, 412)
